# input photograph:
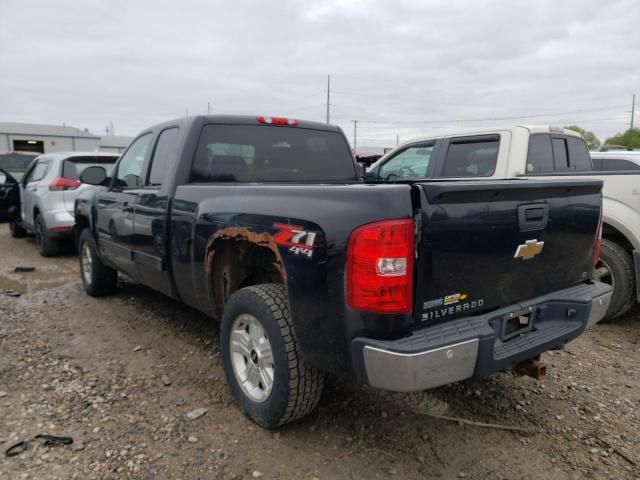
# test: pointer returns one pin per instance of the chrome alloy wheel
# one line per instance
(251, 357)
(86, 263)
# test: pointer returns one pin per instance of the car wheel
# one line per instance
(48, 246)
(268, 378)
(615, 268)
(16, 229)
(97, 278)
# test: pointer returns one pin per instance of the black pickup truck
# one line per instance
(267, 224)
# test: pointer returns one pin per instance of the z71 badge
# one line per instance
(299, 241)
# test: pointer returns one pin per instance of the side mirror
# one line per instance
(94, 175)
(372, 175)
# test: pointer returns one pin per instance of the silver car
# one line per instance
(48, 191)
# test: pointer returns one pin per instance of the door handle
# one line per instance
(533, 216)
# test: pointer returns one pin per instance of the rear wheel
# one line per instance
(97, 278)
(615, 268)
(47, 245)
(16, 229)
(268, 378)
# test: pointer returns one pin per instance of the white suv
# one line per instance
(47, 194)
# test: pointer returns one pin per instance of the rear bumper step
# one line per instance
(477, 346)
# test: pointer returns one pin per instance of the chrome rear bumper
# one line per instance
(472, 346)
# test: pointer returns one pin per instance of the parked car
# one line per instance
(616, 160)
(9, 195)
(264, 223)
(538, 152)
(48, 190)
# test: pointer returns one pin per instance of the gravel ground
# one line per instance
(136, 380)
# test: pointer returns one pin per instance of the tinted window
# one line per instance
(38, 173)
(612, 164)
(597, 163)
(579, 159)
(560, 157)
(471, 157)
(256, 153)
(130, 167)
(540, 156)
(412, 162)
(73, 167)
(164, 157)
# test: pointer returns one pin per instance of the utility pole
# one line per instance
(397, 139)
(633, 108)
(328, 95)
(208, 108)
(355, 135)
(186, 112)
(111, 129)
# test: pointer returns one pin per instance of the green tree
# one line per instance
(629, 139)
(592, 141)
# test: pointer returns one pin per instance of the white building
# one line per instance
(36, 138)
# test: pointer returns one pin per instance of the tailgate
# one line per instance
(485, 244)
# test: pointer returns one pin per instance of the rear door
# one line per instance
(32, 186)
(492, 243)
(115, 207)
(9, 193)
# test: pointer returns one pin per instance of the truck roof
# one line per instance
(495, 129)
(187, 122)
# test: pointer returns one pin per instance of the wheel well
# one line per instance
(237, 262)
(611, 233)
(81, 223)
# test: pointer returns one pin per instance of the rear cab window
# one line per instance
(266, 153)
(72, 167)
(550, 154)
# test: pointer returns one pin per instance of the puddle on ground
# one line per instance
(30, 282)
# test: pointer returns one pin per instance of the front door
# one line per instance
(115, 207)
(151, 250)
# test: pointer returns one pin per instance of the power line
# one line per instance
(488, 119)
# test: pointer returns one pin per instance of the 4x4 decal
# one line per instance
(299, 240)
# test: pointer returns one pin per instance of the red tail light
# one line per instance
(596, 252)
(61, 183)
(380, 267)
(278, 121)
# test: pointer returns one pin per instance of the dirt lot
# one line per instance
(120, 374)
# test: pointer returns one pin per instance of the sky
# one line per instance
(402, 69)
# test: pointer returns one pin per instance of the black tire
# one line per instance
(47, 245)
(100, 280)
(296, 387)
(17, 231)
(616, 268)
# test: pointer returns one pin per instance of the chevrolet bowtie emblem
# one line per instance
(529, 249)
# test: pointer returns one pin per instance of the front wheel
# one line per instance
(97, 278)
(615, 268)
(267, 375)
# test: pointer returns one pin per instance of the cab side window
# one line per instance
(164, 157)
(473, 156)
(129, 173)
